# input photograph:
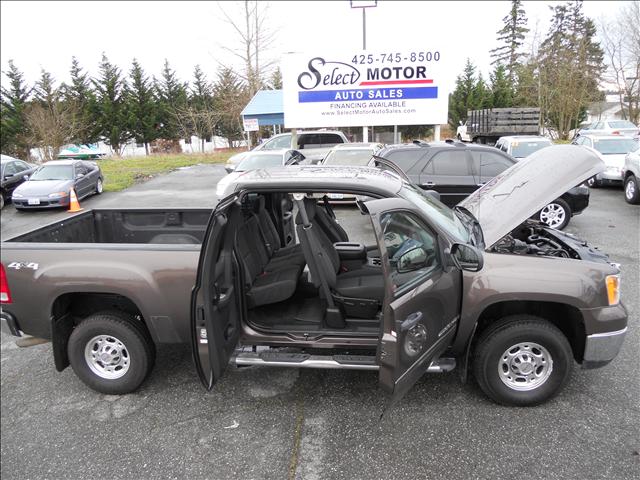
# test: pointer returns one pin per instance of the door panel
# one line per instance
(488, 164)
(422, 298)
(215, 310)
(449, 174)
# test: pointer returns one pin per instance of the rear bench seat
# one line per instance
(269, 278)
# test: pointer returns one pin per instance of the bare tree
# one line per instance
(255, 38)
(621, 42)
(198, 120)
(51, 126)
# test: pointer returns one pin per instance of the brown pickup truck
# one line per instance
(270, 278)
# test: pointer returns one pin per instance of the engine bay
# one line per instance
(534, 238)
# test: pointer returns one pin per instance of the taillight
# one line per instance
(5, 293)
(615, 132)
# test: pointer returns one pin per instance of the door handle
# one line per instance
(411, 321)
(429, 184)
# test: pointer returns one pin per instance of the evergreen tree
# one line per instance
(501, 89)
(172, 96)
(141, 107)
(80, 94)
(461, 100)
(276, 79)
(110, 107)
(230, 96)
(14, 98)
(481, 96)
(571, 63)
(201, 106)
(45, 92)
(511, 37)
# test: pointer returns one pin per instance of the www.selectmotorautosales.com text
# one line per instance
(367, 108)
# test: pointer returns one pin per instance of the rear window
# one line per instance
(260, 161)
(405, 159)
(614, 146)
(622, 124)
(314, 140)
(348, 157)
(520, 149)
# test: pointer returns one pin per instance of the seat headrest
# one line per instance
(310, 207)
(259, 204)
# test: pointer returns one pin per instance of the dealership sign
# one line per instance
(365, 88)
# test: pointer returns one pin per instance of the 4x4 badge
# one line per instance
(20, 265)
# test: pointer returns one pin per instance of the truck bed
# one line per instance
(142, 226)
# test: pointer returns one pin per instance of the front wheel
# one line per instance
(99, 186)
(111, 353)
(522, 360)
(632, 190)
(593, 182)
(556, 214)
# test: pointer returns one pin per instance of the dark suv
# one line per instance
(455, 170)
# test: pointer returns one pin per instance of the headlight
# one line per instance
(17, 195)
(58, 194)
(613, 289)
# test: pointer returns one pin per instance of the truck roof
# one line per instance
(321, 178)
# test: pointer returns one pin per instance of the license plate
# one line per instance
(33, 201)
(336, 196)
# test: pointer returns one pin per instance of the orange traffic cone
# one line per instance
(74, 205)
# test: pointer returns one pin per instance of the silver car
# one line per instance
(631, 175)
(51, 184)
(611, 127)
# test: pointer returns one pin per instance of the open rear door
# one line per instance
(422, 296)
(215, 311)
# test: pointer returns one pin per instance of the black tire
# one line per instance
(99, 186)
(558, 203)
(632, 190)
(509, 332)
(593, 182)
(1, 200)
(138, 349)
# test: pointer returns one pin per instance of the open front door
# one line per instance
(422, 296)
(215, 312)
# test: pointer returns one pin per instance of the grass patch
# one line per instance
(121, 173)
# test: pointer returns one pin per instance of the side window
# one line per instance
(598, 126)
(489, 164)
(10, 169)
(279, 142)
(451, 163)
(405, 159)
(412, 249)
(22, 166)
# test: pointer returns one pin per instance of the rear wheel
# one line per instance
(632, 190)
(111, 352)
(99, 186)
(522, 360)
(556, 214)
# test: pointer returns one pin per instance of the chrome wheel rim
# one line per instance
(591, 182)
(525, 366)
(553, 215)
(99, 186)
(630, 189)
(107, 357)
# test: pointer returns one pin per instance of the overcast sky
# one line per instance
(47, 34)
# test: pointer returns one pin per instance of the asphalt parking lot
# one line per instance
(270, 423)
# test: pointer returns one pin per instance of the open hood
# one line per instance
(510, 198)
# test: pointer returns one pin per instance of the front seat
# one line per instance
(362, 288)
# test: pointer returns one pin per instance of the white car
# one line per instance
(612, 149)
(256, 161)
(522, 146)
(315, 143)
(610, 127)
(354, 154)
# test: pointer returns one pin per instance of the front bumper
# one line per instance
(601, 348)
(45, 202)
(9, 324)
(611, 174)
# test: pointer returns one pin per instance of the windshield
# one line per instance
(524, 149)
(267, 160)
(614, 146)
(53, 172)
(622, 124)
(348, 157)
(437, 212)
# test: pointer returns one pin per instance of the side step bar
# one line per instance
(345, 362)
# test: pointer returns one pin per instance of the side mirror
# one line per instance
(411, 260)
(229, 169)
(79, 176)
(26, 177)
(466, 257)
